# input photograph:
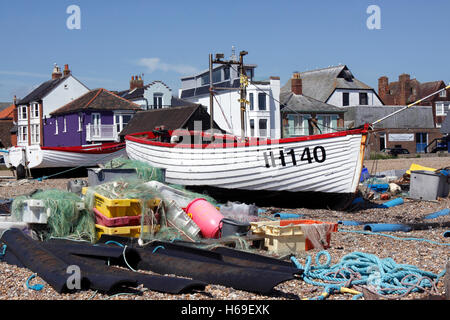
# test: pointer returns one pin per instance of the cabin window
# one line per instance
(56, 125)
(345, 98)
(363, 98)
(157, 100)
(261, 101)
(263, 127)
(35, 134)
(64, 124)
(250, 98)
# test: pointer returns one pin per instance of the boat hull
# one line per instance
(329, 163)
(35, 157)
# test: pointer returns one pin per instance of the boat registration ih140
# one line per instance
(317, 154)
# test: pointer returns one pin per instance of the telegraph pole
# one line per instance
(243, 85)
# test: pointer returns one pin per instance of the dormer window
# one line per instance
(443, 94)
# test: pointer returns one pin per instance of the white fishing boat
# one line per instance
(34, 157)
(330, 163)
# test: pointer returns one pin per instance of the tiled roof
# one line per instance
(290, 102)
(41, 91)
(98, 99)
(7, 113)
(321, 83)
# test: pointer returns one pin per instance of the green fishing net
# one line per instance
(67, 216)
(144, 171)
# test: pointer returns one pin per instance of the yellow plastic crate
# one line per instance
(278, 239)
(126, 231)
(113, 208)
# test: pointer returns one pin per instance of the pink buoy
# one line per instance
(206, 216)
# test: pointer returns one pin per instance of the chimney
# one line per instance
(383, 87)
(403, 80)
(56, 74)
(296, 84)
(66, 71)
(15, 100)
(136, 82)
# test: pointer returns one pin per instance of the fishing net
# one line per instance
(67, 216)
(144, 171)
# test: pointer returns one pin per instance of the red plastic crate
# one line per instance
(116, 222)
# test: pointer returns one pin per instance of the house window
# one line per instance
(217, 76)
(345, 98)
(226, 73)
(443, 94)
(442, 108)
(96, 122)
(34, 111)
(157, 100)
(121, 120)
(23, 134)
(56, 125)
(250, 98)
(327, 123)
(249, 73)
(65, 124)
(263, 127)
(35, 134)
(22, 114)
(205, 79)
(80, 122)
(296, 125)
(252, 127)
(363, 99)
(261, 101)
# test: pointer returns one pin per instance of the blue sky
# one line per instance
(166, 40)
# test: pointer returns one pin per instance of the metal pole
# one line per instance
(211, 97)
(243, 91)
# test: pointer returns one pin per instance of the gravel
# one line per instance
(425, 251)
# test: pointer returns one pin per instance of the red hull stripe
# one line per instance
(104, 148)
(230, 141)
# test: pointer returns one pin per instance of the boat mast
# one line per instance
(410, 105)
(243, 85)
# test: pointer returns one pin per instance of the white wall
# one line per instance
(67, 91)
(336, 98)
(229, 101)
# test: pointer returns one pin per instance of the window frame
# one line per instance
(345, 96)
(262, 94)
(366, 95)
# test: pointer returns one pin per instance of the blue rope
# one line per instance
(157, 247)
(360, 268)
(393, 237)
(3, 252)
(36, 287)
(114, 242)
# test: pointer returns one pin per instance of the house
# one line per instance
(33, 109)
(6, 124)
(97, 116)
(406, 91)
(412, 129)
(190, 117)
(302, 115)
(154, 95)
(336, 86)
(262, 114)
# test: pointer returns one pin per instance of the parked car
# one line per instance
(395, 151)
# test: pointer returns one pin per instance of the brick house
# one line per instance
(406, 91)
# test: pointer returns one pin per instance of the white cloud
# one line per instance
(154, 64)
